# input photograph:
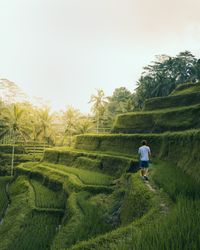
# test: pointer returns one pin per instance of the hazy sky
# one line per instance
(63, 50)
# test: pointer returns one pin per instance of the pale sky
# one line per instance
(63, 50)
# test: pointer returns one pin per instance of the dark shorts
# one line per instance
(144, 164)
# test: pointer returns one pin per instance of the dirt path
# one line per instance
(164, 205)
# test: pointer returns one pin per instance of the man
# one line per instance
(144, 153)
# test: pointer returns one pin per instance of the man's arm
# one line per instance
(149, 152)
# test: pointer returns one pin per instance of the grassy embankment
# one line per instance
(172, 226)
(100, 206)
(172, 119)
(23, 225)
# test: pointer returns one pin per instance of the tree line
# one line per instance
(158, 79)
(24, 121)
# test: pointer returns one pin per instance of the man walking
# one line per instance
(144, 153)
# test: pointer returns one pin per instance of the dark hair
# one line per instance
(144, 142)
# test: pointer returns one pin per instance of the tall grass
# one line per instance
(175, 182)
(24, 227)
(36, 232)
(85, 221)
(46, 198)
(3, 195)
(178, 231)
(86, 176)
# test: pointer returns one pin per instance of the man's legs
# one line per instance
(144, 167)
(146, 171)
(142, 171)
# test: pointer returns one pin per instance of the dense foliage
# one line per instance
(162, 76)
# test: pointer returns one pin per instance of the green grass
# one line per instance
(184, 99)
(186, 88)
(87, 218)
(130, 216)
(184, 95)
(175, 119)
(118, 144)
(144, 210)
(56, 177)
(78, 176)
(137, 201)
(23, 226)
(86, 176)
(46, 198)
(108, 163)
(17, 211)
(36, 232)
(4, 200)
(182, 149)
(175, 182)
(177, 229)
(6, 159)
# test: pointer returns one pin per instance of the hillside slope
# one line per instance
(91, 196)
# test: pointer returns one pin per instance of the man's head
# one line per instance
(144, 142)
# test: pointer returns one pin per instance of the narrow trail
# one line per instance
(164, 207)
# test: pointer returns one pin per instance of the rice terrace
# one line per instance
(88, 194)
(99, 125)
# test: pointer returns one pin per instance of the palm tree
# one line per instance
(16, 127)
(98, 108)
(84, 126)
(45, 122)
(70, 120)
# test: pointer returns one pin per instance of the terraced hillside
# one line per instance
(22, 153)
(178, 112)
(92, 197)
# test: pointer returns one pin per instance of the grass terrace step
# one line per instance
(85, 220)
(137, 210)
(28, 228)
(176, 119)
(58, 177)
(86, 176)
(181, 148)
(172, 101)
(46, 198)
(125, 145)
(157, 230)
(6, 159)
(186, 88)
(109, 163)
(6, 148)
(37, 232)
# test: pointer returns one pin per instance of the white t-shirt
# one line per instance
(144, 153)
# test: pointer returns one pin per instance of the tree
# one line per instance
(16, 127)
(84, 125)
(98, 106)
(70, 121)
(122, 99)
(45, 122)
(162, 76)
